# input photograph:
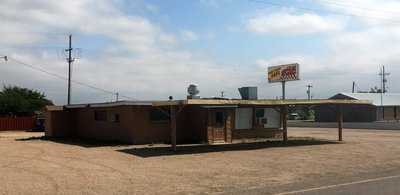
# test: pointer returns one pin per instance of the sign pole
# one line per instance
(283, 90)
(284, 114)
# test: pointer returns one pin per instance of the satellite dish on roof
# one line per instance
(192, 90)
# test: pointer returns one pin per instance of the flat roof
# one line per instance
(215, 103)
(265, 102)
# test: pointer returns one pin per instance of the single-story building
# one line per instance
(385, 106)
(177, 121)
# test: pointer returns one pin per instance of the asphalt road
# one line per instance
(377, 186)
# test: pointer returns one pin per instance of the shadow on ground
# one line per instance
(87, 143)
(198, 149)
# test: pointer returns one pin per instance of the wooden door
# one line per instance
(219, 125)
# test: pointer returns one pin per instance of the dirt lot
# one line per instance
(37, 166)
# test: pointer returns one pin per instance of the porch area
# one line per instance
(227, 120)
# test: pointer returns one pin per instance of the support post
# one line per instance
(284, 122)
(339, 112)
(283, 90)
(253, 121)
(173, 127)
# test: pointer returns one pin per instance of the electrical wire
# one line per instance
(40, 69)
(347, 5)
(318, 10)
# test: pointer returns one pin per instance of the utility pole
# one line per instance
(116, 97)
(383, 75)
(309, 86)
(354, 86)
(222, 94)
(70, 60)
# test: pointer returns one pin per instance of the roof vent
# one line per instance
(248, 93)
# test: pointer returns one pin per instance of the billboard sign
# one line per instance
(287, 72)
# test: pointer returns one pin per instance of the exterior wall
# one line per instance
(256, 133)
(87, 127)
(398, 113)
(230, 122)
(134, 125)
(59, 124)
(192, 125)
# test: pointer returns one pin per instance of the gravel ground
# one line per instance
(30, 165)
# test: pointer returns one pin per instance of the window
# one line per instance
(261, 120)
(115, 118)
(219, 119)
(159, 116)
(100, 115)
(244, 118)
(267, 118)
(260, 112)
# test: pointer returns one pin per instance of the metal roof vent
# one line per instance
(248, 93)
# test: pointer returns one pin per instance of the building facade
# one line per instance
(139, 122)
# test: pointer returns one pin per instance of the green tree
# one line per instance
(19, 101)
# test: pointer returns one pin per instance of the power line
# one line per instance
(40, 69)
(318, 10)
(344, 5)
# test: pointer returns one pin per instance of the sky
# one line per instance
(153, 49)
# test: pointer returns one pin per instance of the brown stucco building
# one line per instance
(141, 122)
(178, 121)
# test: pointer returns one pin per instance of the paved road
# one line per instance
(348, 125)
(378, 186)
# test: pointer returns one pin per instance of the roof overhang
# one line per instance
(54, 108)
(214, 103)
(205, 102)
(111, 104)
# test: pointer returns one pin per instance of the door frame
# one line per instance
(211, 124)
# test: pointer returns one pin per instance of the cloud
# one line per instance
(349, 53)
(369, 12)
(363, 51)
(349, 56)
(188, 35)
(288, 24)
(140, 60)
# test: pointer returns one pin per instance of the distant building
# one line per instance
(384, 106)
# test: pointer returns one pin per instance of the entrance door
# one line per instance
(219, 125)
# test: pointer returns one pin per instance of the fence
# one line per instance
(19, 123)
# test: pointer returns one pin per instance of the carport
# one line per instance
(176, 106)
